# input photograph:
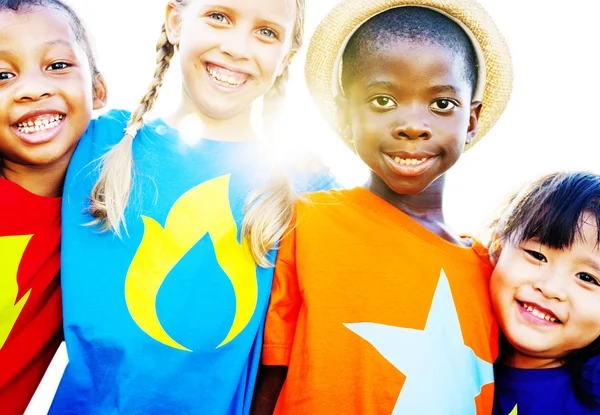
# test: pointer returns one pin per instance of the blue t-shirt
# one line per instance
(539, 392)
(168, 319)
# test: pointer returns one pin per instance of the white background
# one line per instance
(551, 122)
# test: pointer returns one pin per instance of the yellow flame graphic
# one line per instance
(514, 411)
(203, 209)
(12, 249)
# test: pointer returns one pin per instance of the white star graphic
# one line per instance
(443, 376)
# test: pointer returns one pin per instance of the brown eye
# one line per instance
(443, 105)
(383, 102)
(536, 255)
(57, 66)
(585, 277)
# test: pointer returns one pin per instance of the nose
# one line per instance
(412, 130)
(236, 44)
(551, 285)
(33, 87)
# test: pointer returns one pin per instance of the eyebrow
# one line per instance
(7, 54)
(57, 42)
(440, 89)
(592, 263)
(381, 84)
(437, 89)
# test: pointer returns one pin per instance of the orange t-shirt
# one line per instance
(374, 314)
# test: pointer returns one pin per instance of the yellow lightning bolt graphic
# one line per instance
(514, 411)
(203, 209)
(12, 249)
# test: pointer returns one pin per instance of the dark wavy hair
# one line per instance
(550, 211)
(77, 26)
(416, 24)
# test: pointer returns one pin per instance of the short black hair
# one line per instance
(76, 25)
(418, 24)
(550, 211)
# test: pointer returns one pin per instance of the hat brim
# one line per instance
(323, 60)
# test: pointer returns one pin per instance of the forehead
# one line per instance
(38, 25)
(400, 60)
(282, 12)
(588, 236)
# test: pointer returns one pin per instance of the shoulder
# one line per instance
(590, 378)
(331, 197)
(312, 181)
(104, 132)
(326, 205)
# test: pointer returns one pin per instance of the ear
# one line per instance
(287, 59)
(473, 121)
(343, 117)
(173, 23)
(100, 92)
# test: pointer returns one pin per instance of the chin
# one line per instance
(411, 189)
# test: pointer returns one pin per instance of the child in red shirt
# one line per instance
(49, 85)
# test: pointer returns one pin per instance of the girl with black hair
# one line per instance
(49, 87)
(546, 294)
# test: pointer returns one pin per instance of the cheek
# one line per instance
(270, 60)
(586, 314)
(367, 144)
(502, 286)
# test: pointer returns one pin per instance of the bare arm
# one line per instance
(269, 383)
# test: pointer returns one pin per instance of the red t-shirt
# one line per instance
(30, 300)
(374, 314)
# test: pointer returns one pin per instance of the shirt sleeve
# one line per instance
(282, 314)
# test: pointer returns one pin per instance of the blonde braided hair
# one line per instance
(110, 194)
(270, 212)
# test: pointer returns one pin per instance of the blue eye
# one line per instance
(585, 277)
(267, 33)
(219, 17)
(6, 75)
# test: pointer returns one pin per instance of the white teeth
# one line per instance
(39, 125)
(538, 313)
(224, 78)
(409, 162)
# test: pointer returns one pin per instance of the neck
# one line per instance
(425, 207)
(46, 181)
(188, 117)
(522, 361)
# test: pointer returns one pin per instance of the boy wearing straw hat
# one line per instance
(377, 306)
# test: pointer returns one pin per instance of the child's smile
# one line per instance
(46, 88)
(410, 113)
(548, 300)
(231, 52)
(409, 164)
(227, 78)
(40, 126)
(537, 314)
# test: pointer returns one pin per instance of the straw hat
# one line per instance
(324, 56)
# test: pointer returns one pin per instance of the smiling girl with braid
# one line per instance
(170, 319)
